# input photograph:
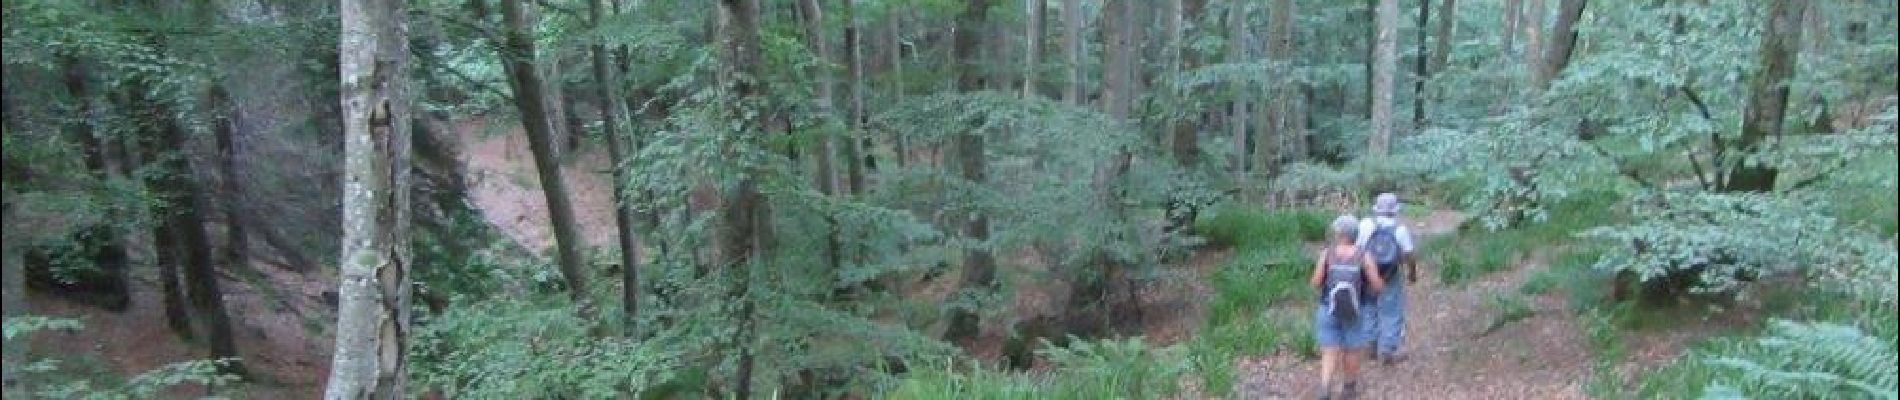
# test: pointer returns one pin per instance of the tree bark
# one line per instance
(979, 269)
(237, 243)
(1072, 48)
(1186, 138)
(185, 204)
(825, 178)
(374, 289)
(1419, 59)
(1385, 56)
(856, 143)
(1763, 115)
(517, 51)
(1533, 24)
(745, 220)
(1280, 17)
(612, 112)
(1562, 40)
(1441, 46)
(1236, 53)
(1513, 12)
(1033, 43)
(1117, 60)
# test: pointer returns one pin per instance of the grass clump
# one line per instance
(1244, 227)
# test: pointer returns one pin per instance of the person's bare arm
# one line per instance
(1372, 273)
(1319, 270)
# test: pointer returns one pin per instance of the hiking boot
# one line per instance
(1325, 392)
(1350, 392)
(1392, 359)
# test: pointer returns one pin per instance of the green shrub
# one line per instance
(59, 379)
(1244, 227)
(1509, 308)
(1255, 279)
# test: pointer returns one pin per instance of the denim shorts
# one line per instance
(1332, 332)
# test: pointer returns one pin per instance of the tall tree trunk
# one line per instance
(1441, 35)
(979, 268)
(856, 143)
(1767, 104)
(1280, 17)
(825, 178)
(746, 216)
(1513, 13)
(1563, 38)
(1032, 43)
(185, 204)
(612, 112)
(1371, 57)
(1186, 138)
(1236, 53)
(1386, 64)
(108, 252)
(374, 284)
(1533, 25)
(166, 252)
(237, 243)
(1117, 59)
(517, 51)
(1072, 49)
(1419, 59)
(899, 143)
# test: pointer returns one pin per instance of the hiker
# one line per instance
(1389, 244)
(1346, 279)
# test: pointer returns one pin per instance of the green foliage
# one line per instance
(1085, 369)
(508, 348)
(1806, 360)
(1248, 228)
(52, 378)
(1509, 308)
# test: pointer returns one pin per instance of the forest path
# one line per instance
(1450, 356)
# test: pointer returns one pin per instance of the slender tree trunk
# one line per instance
(1072, 48)
(746, 217)
(1419, 62)
(1033, 43)
(1763, 115)
(1371, 58)
(1386, 66)
(1186, 138)
(899, 143)
(1237, 52)
(1441, 46)
(1562, 41)
(1117, 59)
(237, 243)
(185, 216)
(979, 269)
(1280, 17)
(826, 179)
(374, 284)
(166, 252)
(856, 143)
(1513, 12)
(517, 51)
(1533, 24)
(611, 114)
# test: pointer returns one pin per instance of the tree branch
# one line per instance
(1720, 148)
(1696, 165)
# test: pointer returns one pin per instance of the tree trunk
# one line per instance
(899, 143)
(374, 289)
(979, 269)
(1533, 25)
(1072, 48)
(1371, 57)
(107, 250)
(517, 51)
(1032, 43)
(1767, 104)
(1117, 59)
(185, 217)
(1562, 40)
(1441, 46)
(1419, 73)
(1280, 17)
(855, 142)
(745, 219)
(237, 243)
(612, 112)
(825, 179)
(1513, 12)
(1186, 138)
(1237, 52)
(1386, 64)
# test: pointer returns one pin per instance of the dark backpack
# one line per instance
(1344, 288)
(1384, 245)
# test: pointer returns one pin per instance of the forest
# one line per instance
(942, 199)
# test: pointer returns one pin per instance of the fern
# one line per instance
(1811, 360)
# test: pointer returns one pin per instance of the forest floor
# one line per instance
(1543, 356)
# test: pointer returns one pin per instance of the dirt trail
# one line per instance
(1543, 356)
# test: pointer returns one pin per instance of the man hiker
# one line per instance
(1386, 239)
